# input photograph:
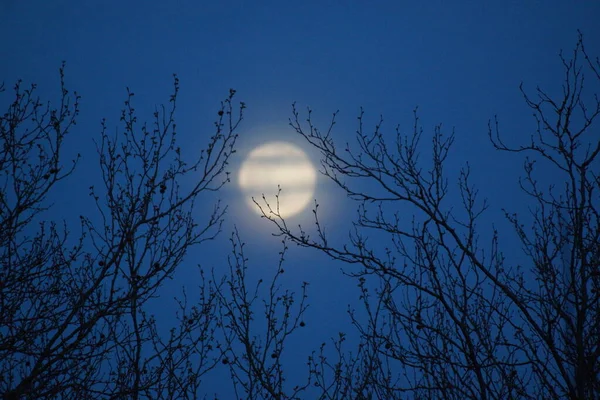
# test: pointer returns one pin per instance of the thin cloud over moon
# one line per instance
(278, 164)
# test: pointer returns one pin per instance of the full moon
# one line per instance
(273, 164)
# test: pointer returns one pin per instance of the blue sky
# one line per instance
(460, 62)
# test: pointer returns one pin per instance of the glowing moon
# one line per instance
(283, 164)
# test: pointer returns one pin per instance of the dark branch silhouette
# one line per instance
(449, 317)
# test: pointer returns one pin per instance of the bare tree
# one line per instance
(449, 316)
(256, 319)
(444, 313)
(74, 315)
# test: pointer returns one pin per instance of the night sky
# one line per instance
(460, 62)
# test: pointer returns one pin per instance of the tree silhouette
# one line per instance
(444, 314)
(255, 321)
(74, 319)
(449, 317)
